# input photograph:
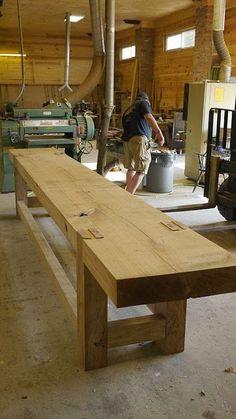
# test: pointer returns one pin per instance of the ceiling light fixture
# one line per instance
(75, 18)
(11, 54)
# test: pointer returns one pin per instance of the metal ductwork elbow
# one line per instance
(219, 42)
(98, 63)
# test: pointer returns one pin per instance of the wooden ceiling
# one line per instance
(45, 17)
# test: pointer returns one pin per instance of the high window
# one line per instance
(185, 39)
(128, 52)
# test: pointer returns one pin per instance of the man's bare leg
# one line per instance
(134, 182)
(129, 176)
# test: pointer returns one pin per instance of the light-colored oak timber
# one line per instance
(80, 303)
(95, 323)
(21, 189)
(61, 284)
(175, 316)
(139, 260)
(174, 313)
(33, 202)
(136, 259)
(135, 330)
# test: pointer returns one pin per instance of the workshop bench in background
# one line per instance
(125, 250)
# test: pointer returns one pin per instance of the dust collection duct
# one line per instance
(109, 84)
(97, 67)
(67, 56)
(219, 43)
(22, 54)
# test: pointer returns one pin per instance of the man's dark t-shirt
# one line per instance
(133, 120)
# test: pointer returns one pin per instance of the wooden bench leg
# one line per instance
(92, 323)
(21, 189)
(175, 316)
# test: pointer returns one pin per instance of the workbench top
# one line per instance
(143, 256)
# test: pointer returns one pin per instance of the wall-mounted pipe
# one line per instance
(67, 56)
(219, 42)
(97, 67)
(22, 55)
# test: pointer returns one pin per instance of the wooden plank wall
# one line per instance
(124, 69)
(45, 63)
(44, 68)
(173, 68)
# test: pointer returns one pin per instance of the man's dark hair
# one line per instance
(142, 96)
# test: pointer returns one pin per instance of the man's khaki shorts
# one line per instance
(137, 154)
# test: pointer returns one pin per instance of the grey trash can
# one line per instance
(160, 175)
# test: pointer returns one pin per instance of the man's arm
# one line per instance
(153, 124)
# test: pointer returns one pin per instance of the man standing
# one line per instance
(138, 123)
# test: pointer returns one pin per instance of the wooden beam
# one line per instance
(135, 330)
(61, 283)
(175, 321)
(21, 189)
(193, 207)
(174, 287)
(33, 202)
(147, 262)
(93, 320)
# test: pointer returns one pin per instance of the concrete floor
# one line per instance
(39, 377)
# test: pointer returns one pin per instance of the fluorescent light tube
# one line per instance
(11, 54)
(75, 18)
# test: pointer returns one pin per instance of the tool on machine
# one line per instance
(52, 125)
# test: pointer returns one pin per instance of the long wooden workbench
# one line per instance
(125, 250)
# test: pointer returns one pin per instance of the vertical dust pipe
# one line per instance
(22, 55)
(67, 56)
(109, 84)
(95, 73)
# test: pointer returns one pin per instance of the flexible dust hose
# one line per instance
(22, 54)
(67, 56)
(222, 50)
(97, 67)
(219, 42)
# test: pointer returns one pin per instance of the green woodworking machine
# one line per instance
(52, 125)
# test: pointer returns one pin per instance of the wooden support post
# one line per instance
(80, 302)
(21, 189)
(95, 312)
(92, 317)
(174, 313)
